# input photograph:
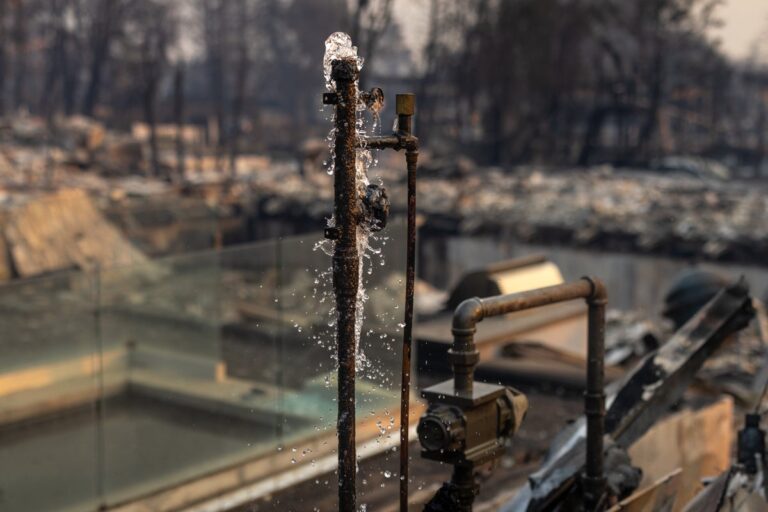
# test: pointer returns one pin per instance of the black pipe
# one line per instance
(406, 104)
(464, 357)
(346, 270)
(594, 400)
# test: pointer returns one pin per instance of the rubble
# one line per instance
(638, 211)
(736, 369)
(629, 335)
(60, 231)
(634, 211)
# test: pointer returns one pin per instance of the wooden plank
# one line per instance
(658, 497)
(698, 441)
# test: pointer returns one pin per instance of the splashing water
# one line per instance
(339, 46)
(369, 245)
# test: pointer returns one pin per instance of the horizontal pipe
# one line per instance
(472, 311)
(397, 141)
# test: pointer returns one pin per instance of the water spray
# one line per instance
(360, 208)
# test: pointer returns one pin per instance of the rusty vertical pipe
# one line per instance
(405, 107)
(594, 397)
(346, 270)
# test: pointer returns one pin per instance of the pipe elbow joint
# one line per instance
(407, 141)
(467, 315)
(599, 293)
(344, 70)
(411, 143)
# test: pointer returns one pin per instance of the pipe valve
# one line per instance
(375, 207)
(441, 428)
(469, 429)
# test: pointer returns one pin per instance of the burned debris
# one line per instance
(207, 368)
(645, 394)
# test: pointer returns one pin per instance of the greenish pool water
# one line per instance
(67, 463)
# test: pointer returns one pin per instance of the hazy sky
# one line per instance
(744, 22)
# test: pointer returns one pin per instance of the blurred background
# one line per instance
(166, 319)
(502, 82)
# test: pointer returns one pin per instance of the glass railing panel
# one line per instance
(161, 224)
(167, 425)
(378, 393)
(50, 380)
(307, 351)
(205, 363)
(201, 376)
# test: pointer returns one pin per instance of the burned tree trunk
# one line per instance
(3, 61)
(150, 117)
(19, 48)
(178, 115)
(241, 78)
(214, 26)
(155, 38)
(100, 40)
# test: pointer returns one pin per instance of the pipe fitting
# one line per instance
(513, 406)
(467, 315)
(441, 428)
(344, 70)
(375, 207)
(599, 295)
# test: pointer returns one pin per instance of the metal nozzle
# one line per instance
(405, 104)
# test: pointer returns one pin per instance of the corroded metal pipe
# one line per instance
(349, 214)
(403, 138)
(464, 358)
(405, 107)
(346, 270)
